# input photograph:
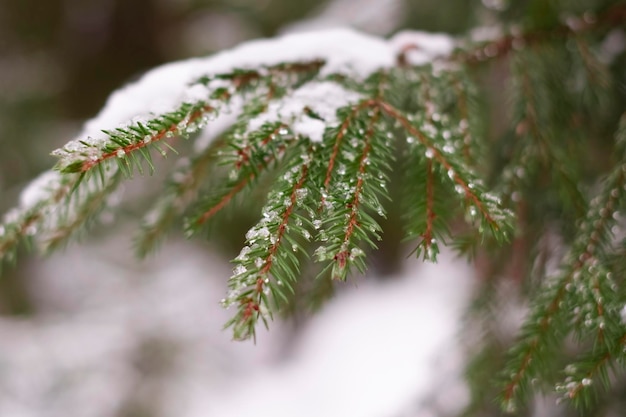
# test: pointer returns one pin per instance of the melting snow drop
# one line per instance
(239, 270)
(356, 252)
(429, 153)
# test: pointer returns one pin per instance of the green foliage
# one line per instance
(494, 191)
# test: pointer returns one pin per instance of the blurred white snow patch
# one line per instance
(380, 350)
(102, 315)
(323, 98)
(112, 331)
(422, 47)
(613, 45)
(39, 189)
(373, 16)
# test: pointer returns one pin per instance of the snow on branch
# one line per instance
(318, 111)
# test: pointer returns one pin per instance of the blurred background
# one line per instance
(92, 331)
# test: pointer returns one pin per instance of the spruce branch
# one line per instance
(183, 188)
(41, 199)
(263, 148)
(582, 380)
(326, 119)
(267, 264)
(582, 281)
(352, 191)
(494, 218)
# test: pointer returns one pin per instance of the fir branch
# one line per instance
(79, 210)
(350, 220)
(127, 146)
(554, 308)
(266, 265)
(338, 139)
(264, 148)
(84, 156)
(182, 188)
(427, 207)
(589, 370)
(468, 141)
(496, 218)
(57, 206)
(23, 222)
(597, 72)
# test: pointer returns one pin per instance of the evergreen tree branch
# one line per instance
(613, 16)
(23, 222)
(497, 219)
(182, 188)
(589, 370)
(338, 139)
(265, 266)
(265, 148)
(350, 219)
(550, 318)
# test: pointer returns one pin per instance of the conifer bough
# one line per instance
(327, 116)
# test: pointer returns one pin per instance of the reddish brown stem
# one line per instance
(427, 236)
(87, 165)
(224, 200)
(339, 138)
(342, 257)
(282, 228)
(437, 156)
(244, 153)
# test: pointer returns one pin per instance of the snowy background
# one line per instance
(117, 337)
(92, 331)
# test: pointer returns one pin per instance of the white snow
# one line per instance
(382, 349)
(377, 351)
(323, 98)
(39, 189)
(165, 88)
(422, 47)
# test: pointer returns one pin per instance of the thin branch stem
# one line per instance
(438, 156)
(342, 257)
